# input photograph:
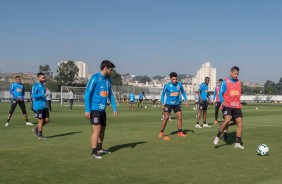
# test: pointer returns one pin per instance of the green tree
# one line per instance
(46, 70)
(142, 79)
(279, 86)
(116, 78)
(158, 77)
(67, 73)
(269, 87)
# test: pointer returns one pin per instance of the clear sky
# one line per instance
(144, 37)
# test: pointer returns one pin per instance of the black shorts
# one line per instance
(235, 113)
(98, 118)
(203, 106)
(41, 114)
(14, 105)
(140, 100)
(168, 108)
(132, 102)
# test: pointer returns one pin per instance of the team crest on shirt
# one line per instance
(95, 120)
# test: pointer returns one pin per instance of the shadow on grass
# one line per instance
(184, 131)
(231, 139)
(121, 146)
(65, 134)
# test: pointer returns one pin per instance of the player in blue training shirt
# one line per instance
(40, 106)
(98, 91)
(203, 103)
(141, 99)
(17, 91)
(131, 100)
(170, 100)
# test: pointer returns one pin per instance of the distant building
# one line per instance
(83, 69)
(206, 70)
(26, 78)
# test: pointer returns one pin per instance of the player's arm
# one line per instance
(87, 95)
(222, 91)
(184, 95)
(12, 89)
(199, 92)
(112, 100)
(214, 95)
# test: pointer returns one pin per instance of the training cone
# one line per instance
(166, 138)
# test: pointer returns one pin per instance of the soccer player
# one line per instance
(170, 100)
(216, 100)
(203, 105)
(230, 98)
(141, 99)
(154, 100)
(132, 100)
(71, 97)
(49, 99)
(98, 91)
(17, 91)
(40, 106)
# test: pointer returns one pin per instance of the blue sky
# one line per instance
(144, 37)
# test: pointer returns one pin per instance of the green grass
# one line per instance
(139, 156)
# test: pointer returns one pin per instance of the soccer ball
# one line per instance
(256, 108)
(263, 150)
(145, 107)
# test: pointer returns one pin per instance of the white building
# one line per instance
(83, 68)
(205, 71)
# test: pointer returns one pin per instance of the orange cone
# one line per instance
(166, 138)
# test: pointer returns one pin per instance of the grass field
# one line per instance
(138, 155)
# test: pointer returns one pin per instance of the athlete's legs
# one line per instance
(179, 120)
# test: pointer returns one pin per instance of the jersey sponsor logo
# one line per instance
(102, 107)
(174, 93)
(234, 104)
(19, 90)
(104, 93)
(234, 93)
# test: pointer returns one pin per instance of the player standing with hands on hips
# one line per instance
(98, 91)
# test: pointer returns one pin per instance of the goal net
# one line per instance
(78, 95)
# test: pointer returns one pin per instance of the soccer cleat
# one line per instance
(215, 121)
(41, 137)
(161, 134)
(206, 125)
(181, 134)
(169, 119)
(198, 126)
(35, 132)
(102, 151)
(216, 139)
(238, 145)
(7, 124)
(96, 155)
(28, 124)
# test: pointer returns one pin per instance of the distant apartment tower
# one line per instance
(82, 68)
(205, 71)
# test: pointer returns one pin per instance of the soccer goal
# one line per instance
(77, 93)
